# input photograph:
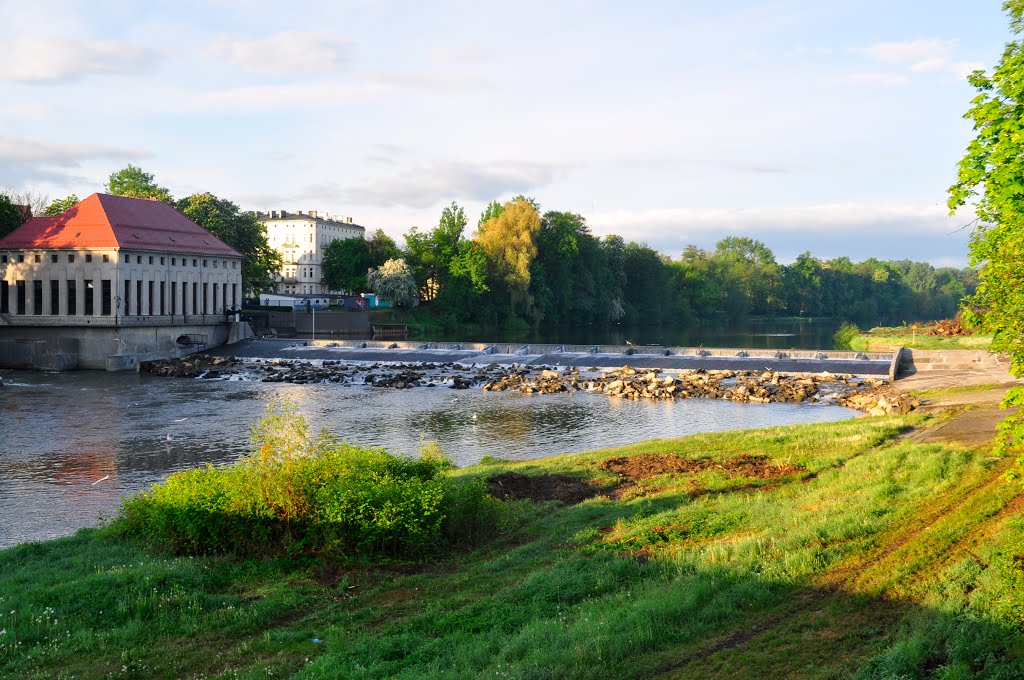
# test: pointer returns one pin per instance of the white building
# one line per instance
(301, 238)
(113, 280)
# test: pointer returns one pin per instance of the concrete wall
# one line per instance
(104, 348)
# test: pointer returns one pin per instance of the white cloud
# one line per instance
(286, 53)
(26, 150)
(922, 56)
(889, 79)
(427, 186)
(48, 59)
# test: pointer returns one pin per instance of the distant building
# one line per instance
(111, 281)
(301, 238)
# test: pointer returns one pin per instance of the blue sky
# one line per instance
(833, 127)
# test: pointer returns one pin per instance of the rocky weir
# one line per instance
(872, 395)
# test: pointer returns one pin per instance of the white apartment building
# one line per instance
(301, 237)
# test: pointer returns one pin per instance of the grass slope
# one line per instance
(871, 557)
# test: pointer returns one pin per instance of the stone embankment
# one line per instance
(871, 395)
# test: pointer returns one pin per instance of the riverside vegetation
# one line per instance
(829, 550)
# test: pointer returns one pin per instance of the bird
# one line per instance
(168, 436)
(181, 420)
(629, 344)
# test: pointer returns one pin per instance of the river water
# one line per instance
(72, 444)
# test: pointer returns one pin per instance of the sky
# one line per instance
(826, 126)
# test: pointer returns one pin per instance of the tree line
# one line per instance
(524, 268)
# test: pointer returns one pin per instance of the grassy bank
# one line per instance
(884, 339)
(830, 550)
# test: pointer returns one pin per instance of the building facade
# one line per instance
(301, 238)
(115, 276)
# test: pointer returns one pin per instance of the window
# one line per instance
(53, 258)
(163, 297)
(127, 258)
(39, 258)
(37, 297)
(138, 298)
(90, 300)
(3, 259)
(105, 296)
(20, 296)
(195, 298)
(234, 295)
(5, 297)
(174, 262)
(161, 260)
(204, 263)
(127, 296)
(88, 257)
(174, 298)
(54, 297)
(234, 264)
(138, 259)
(225, 264)
(215, 264)
(152, 308)
(151, 259)
(106, 258)
(71, 258)
(21, 258)
(72, 297)
(205, 296)
(194, 260)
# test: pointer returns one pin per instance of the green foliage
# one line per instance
(240, 230)
(509, 240)
(393, 281)
(60, 205)
(134, 182)
(989, 176)
(845, 335)
(10, 218)
(300, 495)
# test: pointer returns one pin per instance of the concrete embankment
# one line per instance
(598, 356)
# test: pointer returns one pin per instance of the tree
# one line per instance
(60, 205)
(429, 254)
(345, 264)
(240, 230)
(393, 281)
(134, 182)
(991, 173)
(381, 248)
(10, 217)
(509, 241)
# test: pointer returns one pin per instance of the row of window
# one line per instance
(6, 258)
(188, 302)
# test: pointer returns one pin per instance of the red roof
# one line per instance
(105, 221)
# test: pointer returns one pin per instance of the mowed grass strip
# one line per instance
(826, 572)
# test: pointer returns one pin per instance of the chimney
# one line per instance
(349, 220)
(312, 213)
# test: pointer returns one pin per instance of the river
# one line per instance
(72, 444)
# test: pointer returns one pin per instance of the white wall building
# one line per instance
(301, 237)
(116, 277)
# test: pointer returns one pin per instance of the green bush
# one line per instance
(845, 335)
(297, 495)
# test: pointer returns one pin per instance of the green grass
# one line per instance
(889, 338)
(878, 557)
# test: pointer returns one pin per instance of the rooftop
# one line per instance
(105, 221)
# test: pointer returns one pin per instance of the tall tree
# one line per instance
(345, 264)
(240, 230)
(509, 241)
(990, 174)
(10, 217)
(60, 205)
(134, 182)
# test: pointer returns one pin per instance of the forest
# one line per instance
(524, 268)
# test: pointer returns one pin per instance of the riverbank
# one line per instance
(807, 551)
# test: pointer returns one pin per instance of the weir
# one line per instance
(580, 356)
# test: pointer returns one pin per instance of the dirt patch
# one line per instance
(563, 488)
(746, 465)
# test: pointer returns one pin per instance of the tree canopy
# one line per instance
(134, 182)
(10, 217)
(60, 205)
(393, 281)
(991, 176)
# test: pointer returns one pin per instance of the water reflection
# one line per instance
(60, 433)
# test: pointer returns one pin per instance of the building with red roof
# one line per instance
(154, 279)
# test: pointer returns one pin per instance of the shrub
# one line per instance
(299, 495)
(845, 335)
